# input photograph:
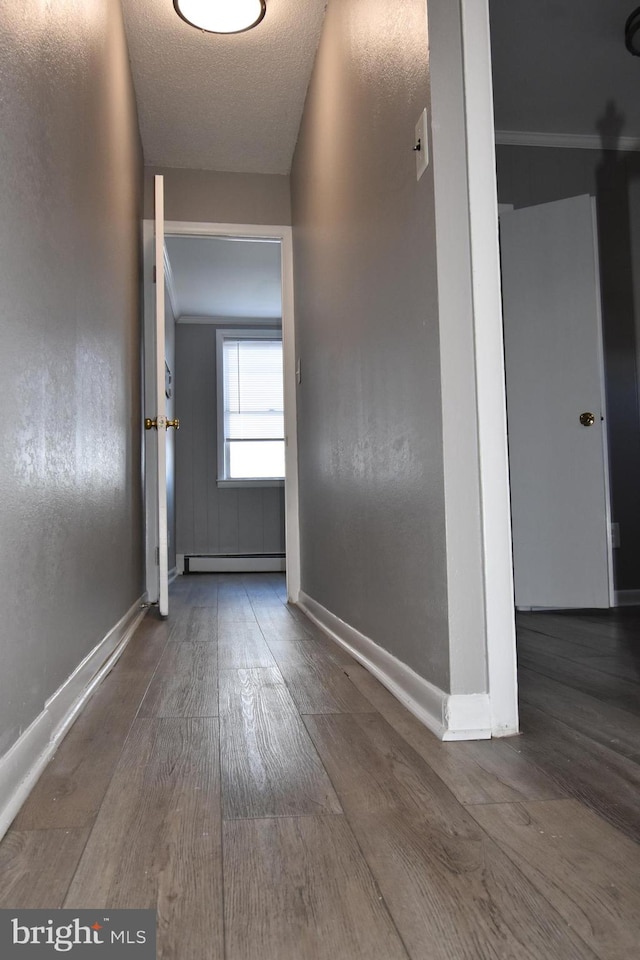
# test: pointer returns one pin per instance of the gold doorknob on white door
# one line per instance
(173, 423)
(587, 419)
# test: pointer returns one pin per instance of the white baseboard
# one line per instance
(627, 598)
(22, 764)
(248, 564)
(449, 716)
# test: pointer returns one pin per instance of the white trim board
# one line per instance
(490, 375)
(569, 141)
(449, 716)
(23, 763)
(247, 564)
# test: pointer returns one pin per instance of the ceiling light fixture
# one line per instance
(631, 35)
(221, 16)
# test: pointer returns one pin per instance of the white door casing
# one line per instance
(156, 533)
(554, 370)
(251, 231)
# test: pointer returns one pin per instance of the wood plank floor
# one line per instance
(241, 774)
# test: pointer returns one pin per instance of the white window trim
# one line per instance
(235, 333)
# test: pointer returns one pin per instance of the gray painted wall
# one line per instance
(208, 196)
(70, 500)
(530, 175)
(213, 520)
(370, 428)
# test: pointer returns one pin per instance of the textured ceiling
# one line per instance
(557, 64)
(215, 277)
(213, 102)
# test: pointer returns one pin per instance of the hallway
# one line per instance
(239, 772)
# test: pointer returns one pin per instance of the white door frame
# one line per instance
(253, 231)
(490, 374)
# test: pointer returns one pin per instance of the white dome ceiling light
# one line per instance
(221, 16)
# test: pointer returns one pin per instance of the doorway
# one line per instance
(265, 244)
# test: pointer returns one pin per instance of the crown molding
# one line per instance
(572, 141)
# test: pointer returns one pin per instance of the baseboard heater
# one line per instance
(231, 563)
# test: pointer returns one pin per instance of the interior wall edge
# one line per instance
(449, 717)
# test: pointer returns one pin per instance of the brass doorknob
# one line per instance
(587, 419)
(150, 424)
(173, 423)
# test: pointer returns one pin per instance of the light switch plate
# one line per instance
(422, 139)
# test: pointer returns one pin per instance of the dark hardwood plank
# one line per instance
(586, 868)
(583, 676)
(142, 654)
(316, 684)
(196, 625)
(232, 607)
(602, 635)
(453, 894)
(474, 771)
(242, 646)
(603, 780)
(621, 664)
(270, 768)
(157, 842)
(277, 623)
(279, 584)
(203, 590)
(73, 785)
(185, 683)
(616, 729)
(534, 643)
(259, 587)
(330, 649)
(36, 867)
(299, 889)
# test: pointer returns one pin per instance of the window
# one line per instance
(250, 406)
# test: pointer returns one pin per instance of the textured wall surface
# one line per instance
(70, 164)
(370, 428)
(212, 520)
(531, 175)
(205, 196)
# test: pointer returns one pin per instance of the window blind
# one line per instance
(253, 409)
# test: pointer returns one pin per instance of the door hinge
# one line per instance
(155, 274)
(157, 556)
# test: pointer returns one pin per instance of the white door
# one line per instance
(554, 373)
(156, 423)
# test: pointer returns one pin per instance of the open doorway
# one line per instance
(226, 302)
(230, 375)
(562, 157)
